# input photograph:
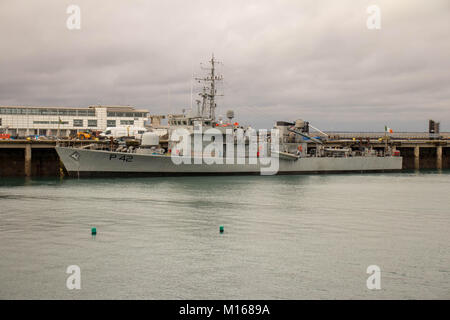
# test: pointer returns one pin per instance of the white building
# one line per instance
(22, 121)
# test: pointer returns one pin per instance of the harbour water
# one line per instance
(285, 237)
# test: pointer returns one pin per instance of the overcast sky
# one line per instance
(282, 60)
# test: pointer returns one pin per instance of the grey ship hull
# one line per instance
(98, 163)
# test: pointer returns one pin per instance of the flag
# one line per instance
(389, 130)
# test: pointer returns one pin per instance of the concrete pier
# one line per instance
(417, 157)
(23, 158)
(439, 157)
(27, 166)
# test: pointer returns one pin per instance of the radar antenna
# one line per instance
(209, 92)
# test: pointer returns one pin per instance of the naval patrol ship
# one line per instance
(198, 143)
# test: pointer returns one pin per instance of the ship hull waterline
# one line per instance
(100, 163)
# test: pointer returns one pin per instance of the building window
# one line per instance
(49, 111)
(126, 122)
(111, 123)
(0, 122)
(50, 122)
(77, 122)
(92, 123)
(126, 114)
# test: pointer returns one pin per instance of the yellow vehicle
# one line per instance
(84, 135)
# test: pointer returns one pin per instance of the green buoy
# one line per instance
(94, 231)
(221, 229)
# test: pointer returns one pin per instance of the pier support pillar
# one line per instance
(439, 157)
(61, 169)
(28, 160)
(416, 157)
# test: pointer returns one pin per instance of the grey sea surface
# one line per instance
(286, 237)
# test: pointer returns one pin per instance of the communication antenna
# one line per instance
(209, 91)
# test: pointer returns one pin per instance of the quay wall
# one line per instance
(44, 163)
(39, 158)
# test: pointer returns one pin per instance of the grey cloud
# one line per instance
(282, 59)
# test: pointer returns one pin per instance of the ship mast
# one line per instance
(209, 92)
